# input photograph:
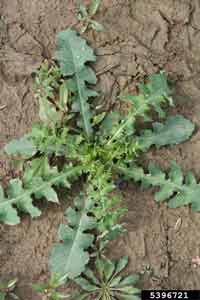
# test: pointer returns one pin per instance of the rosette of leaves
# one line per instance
(103, 147)
(115, 138)
(107, 283)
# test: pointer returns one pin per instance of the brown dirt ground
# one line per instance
(140, 37)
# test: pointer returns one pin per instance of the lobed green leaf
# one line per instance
(175, 130)
(175, 188)
(72, 54)
(21, 192)
(70, 257)
(23, 147)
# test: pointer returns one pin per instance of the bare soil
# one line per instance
(140, 37)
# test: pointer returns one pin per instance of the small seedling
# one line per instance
(108, 284)
(49, 290)
(86, 14)
(7, 290)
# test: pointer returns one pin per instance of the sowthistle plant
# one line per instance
(100, 148)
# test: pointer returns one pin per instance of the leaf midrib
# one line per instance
(85, 121)
(74, 242)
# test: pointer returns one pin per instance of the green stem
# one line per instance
(118, 132)
(138, 112)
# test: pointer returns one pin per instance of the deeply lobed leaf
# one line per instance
(73, 53)
(70, 257)
(38, 182)
(153, 94)
(175, 188)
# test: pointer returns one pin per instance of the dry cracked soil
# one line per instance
(140, 37)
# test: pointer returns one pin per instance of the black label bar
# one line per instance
(170, 294)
